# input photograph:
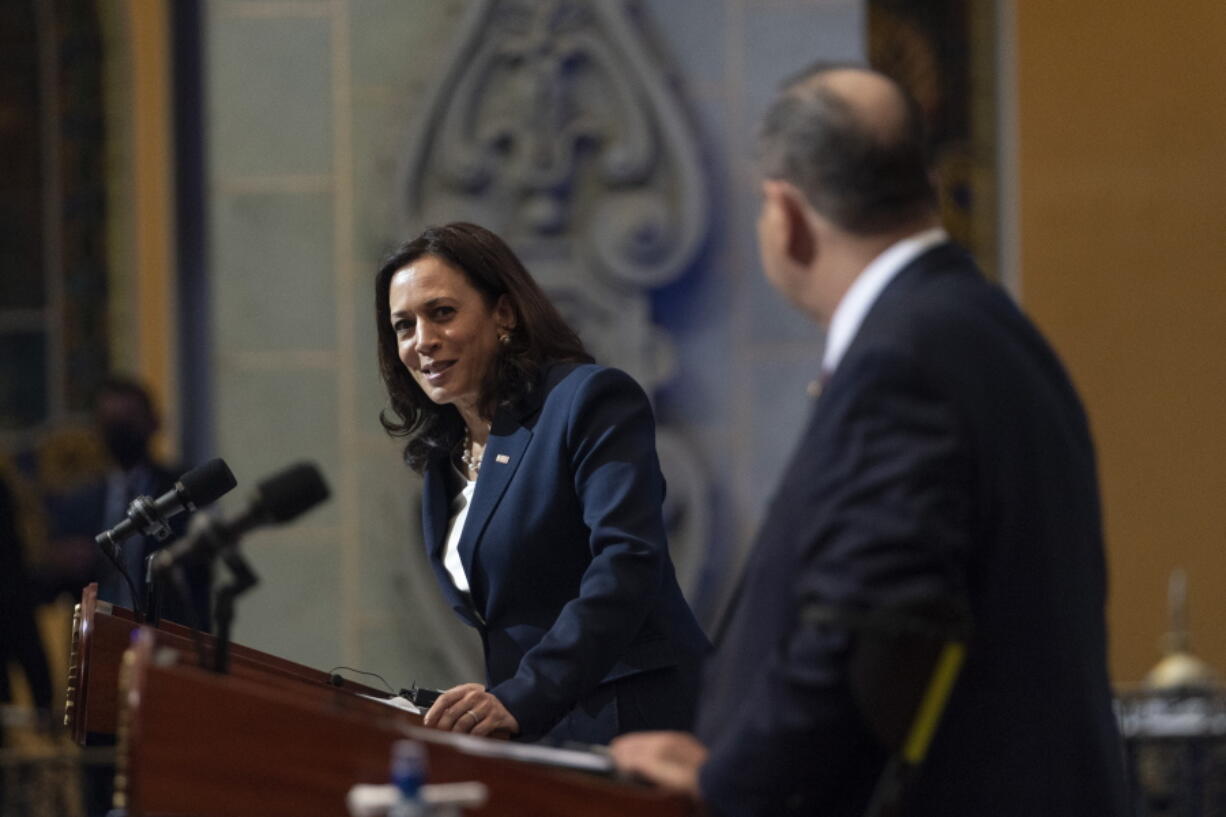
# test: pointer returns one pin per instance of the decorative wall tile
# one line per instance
(272, 412)
(296, 609)
(273, 272)
(270, 96)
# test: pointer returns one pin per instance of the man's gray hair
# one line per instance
(865, 179)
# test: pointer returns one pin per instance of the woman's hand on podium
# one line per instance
(468, 708)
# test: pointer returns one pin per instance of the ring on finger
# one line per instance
(474, 717)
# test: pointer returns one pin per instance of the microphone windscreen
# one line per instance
(207, 483)
(291, 492)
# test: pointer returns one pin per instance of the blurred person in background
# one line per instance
(126, 420)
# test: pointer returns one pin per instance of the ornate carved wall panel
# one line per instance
(555, 125)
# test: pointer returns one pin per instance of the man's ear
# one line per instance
(801, 241)
(796, 236)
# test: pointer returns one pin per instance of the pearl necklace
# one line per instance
(472, 464)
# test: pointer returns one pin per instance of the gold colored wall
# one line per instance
(1122, 134)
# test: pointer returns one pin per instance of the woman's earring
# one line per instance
(504, 338)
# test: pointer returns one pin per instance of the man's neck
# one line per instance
(848, 255)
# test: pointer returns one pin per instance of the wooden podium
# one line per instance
(102, 632)
(275, 739)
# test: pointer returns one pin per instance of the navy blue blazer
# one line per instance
(585, 631)
(948, 456)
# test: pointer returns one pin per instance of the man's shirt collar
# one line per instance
(867, 287)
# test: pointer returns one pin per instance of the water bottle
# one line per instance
(408, 775)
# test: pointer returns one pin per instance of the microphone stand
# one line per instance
(153, 593)
(244, 579)
(115, 554)
(176, 580)
(149, 520)
(214, 539)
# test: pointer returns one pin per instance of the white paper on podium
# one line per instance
(588, 759)
(397, 702)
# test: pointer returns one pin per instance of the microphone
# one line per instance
(195, 489)
(285, 495)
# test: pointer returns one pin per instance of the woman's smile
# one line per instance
(436, 371)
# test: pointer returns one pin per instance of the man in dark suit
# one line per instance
(947, 459)
(127, 420)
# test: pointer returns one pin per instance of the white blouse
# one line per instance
(451, 549)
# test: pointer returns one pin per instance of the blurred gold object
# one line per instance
(70, 457)
(40, 769)
(1179, 668)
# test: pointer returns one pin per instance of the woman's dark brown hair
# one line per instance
(540, 336)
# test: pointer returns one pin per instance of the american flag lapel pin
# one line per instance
(502, 459)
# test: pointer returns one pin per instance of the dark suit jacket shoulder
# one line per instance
(948, 456)
(565, 550)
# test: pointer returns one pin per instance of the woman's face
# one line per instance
(446, 334)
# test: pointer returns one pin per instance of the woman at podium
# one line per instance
(542, 499)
